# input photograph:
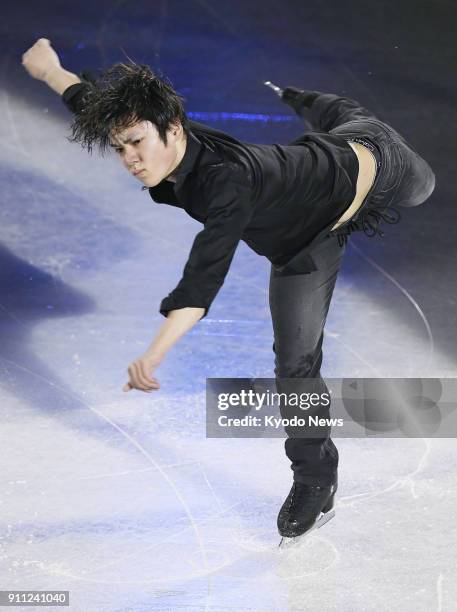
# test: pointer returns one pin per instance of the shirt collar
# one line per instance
(186, 165)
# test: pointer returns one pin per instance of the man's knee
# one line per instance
(298, 365)
(419, 183)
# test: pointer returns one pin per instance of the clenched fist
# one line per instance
(41, 59)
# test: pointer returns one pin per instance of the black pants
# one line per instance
(299, 303)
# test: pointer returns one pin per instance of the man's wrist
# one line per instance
(154, 354)
(59, 79)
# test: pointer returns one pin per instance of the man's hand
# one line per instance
(42, 63)
(140, 374)
(175, 325)
(41, 59)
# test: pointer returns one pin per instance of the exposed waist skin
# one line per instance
(365, 179)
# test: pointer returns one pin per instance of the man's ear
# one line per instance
(176, 128)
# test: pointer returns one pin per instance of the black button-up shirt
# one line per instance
(278, 199)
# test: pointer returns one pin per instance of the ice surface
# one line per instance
(120, 498)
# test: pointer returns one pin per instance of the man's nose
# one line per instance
(131, 156)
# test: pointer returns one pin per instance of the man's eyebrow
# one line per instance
(127, 141)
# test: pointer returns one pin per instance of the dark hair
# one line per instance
(121, 96)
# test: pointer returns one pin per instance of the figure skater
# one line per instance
(295, 204)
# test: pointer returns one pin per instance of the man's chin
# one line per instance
(150, 182)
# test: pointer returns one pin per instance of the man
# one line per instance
(294, 204)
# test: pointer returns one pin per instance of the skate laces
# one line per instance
(301, 493)
(369, 222)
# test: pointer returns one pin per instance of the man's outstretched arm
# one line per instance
(204, 273)
(212, 251)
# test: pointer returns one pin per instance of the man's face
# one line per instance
(145, 155)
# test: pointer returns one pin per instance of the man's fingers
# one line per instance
(129, 387)
(138, 380)
(135, 378)
(145, 379)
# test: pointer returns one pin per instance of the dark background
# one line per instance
(395, 57)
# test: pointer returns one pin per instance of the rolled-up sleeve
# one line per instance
(228, 213)
(72, 97)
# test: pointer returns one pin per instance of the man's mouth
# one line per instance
(137, 172)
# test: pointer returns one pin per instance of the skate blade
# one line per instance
(274, 87)
(288, 542)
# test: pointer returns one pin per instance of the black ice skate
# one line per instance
(307, 507)
(298, 99)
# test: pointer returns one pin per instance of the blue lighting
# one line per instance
(251, 117)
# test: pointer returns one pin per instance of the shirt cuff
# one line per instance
(72, 96)
(170, 303)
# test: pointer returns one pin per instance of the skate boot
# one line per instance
(307, 507)
(298, 99)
